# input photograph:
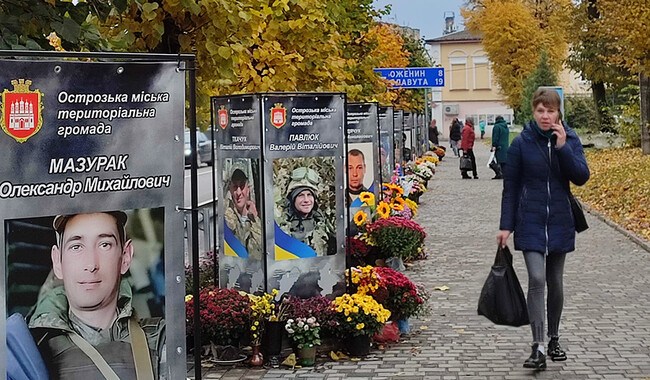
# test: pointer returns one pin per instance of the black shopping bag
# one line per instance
(502, 300)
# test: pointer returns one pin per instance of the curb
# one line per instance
(641, 242)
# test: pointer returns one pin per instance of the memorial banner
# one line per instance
(363, 151)
(304, 199)
(398, 139)
(91, 178)
(240, 212)
(386, 152)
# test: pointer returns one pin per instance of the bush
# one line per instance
(580, 113)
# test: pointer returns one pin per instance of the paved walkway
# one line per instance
(605, 327)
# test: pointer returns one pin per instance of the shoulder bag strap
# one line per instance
(140, 349)
(94, 355)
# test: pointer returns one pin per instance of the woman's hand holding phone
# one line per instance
(560, 133)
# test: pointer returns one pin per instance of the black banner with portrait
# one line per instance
(240, 213)
(386, 152)
(91, 179)
(304, 199)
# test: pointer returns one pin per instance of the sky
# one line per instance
(426, 15)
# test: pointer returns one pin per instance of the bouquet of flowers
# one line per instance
(359, 314)
(303, 332)
(262, 307)
(224, 317)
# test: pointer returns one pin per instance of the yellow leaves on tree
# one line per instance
(514, 33)
(626, 22)
(619, 187)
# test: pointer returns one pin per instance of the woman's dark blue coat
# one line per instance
(535, 202)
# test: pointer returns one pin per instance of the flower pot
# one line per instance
(403, 325)
(358, 345)
(257, 359)
(273, 337)
(307, 356)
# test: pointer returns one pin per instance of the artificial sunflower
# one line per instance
(383, 210)
(367, 198)
(397, 204)
(360, 218)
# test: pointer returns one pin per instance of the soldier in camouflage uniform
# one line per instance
(241, 213)
(304, 221)
(92, 310)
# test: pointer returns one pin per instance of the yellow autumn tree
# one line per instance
(625, 22)
(514, 34)
(248, 45)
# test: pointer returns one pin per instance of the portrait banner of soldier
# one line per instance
(386, 152)
(91, 178)
(362, 151)
(240, 212)
(398, 139)
(304, 143)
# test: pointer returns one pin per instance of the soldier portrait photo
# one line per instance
(91, 286)
(305, 201)
(361, 169)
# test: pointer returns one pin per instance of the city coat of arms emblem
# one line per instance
(223, 117)
(278, 115)
(20, 115)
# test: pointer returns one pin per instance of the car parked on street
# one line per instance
(204, 152)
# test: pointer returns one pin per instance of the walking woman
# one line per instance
(542, 160)
(455, 135)
(467, 145)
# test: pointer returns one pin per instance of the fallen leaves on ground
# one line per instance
(442, 288)
(290, 361)
(619, 187)
(338, 355)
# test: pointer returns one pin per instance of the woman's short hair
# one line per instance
(548, 97)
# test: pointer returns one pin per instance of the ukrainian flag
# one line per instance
(289, 248)
(232, 245)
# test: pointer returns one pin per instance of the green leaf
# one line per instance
(68, 30)
(224, 52)
(149, 11)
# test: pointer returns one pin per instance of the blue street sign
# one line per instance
(414, 77)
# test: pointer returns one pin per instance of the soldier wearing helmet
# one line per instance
(305, 222)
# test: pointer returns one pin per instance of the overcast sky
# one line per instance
(426, 15)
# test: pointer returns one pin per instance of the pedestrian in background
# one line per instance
(467, 145)
(500, 142)
(481, 127)
(433, 133)
(455, 135)
(535, 205)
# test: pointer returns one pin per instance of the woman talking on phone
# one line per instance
(542, 161)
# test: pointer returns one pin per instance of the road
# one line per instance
(204, 182)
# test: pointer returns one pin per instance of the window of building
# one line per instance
(482, 77)
(458, 75)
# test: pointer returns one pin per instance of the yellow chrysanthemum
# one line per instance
(349, 319)
(367, 198)
(360, 326)
(412, 205)
(383, 210)
(188, 298)
(360, 218)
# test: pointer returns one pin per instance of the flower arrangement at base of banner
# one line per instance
(424, 169)
(318, 307)
(359, 251)
(359, 315)
(397, 236)
(225, 315)
(262, 308)
(399, 294)
(303, 332)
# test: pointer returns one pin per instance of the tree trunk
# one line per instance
(600, 100)
(644, 89)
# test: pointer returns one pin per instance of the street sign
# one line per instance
(414, 77)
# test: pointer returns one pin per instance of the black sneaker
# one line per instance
(555, 352)
(537, 360)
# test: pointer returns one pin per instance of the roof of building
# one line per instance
(460, 36)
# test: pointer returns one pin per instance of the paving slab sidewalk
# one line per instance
(605, 327)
